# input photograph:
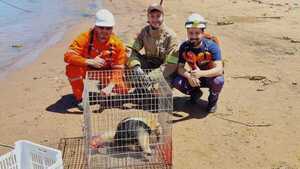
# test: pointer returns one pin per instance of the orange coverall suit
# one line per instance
(82, 48)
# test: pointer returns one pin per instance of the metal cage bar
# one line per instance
(128, 115)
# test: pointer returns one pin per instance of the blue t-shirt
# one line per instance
(207, 45)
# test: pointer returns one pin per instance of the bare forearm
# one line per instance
(212, 72)
(216, 71)
(183, 72)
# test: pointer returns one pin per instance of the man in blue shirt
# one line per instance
(200, 64)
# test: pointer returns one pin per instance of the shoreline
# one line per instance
(26, 36)
(30, 58)
(34, 99)
(64, 36)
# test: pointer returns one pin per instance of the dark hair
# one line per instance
(153, 10)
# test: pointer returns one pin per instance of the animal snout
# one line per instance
(148, 152)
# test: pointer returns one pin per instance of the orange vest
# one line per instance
(86, 46)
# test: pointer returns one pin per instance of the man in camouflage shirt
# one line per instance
(159, 43)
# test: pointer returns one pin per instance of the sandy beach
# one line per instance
(257, 122)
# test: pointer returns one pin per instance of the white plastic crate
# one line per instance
(28, 155)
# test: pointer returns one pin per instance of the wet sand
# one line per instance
(257, 123)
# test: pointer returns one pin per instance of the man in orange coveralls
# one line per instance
(97, 49)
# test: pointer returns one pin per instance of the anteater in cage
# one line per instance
(133, 133)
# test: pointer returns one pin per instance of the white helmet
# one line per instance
(104, 18)
(195, 21)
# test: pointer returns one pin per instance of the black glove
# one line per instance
(141, 79)
(137, 70)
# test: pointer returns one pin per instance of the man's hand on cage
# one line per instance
(107, 91)
(97, 62)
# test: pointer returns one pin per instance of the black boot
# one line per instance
(212, 102)
(212, 109)
(196, 95)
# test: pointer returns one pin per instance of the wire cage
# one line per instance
(127, 119)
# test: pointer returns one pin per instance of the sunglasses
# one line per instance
(105, 28)
(197, 24)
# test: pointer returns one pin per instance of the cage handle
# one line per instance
(7, 146)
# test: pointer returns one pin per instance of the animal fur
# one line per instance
(131, 133)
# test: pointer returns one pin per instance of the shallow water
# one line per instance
(27, 27)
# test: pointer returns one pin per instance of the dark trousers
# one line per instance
(214, 84)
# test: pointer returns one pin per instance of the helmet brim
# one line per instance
(104, 24)
(195, 26)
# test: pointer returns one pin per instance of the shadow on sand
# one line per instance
(65, 105)
(194, 111)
